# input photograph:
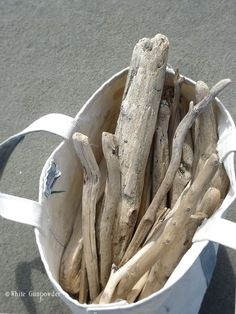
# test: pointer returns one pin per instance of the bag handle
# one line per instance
(217, 230)
(21, 209)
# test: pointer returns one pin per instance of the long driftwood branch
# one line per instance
(162, 270)
(184, 173)
(112, 195)
(89, 201)
(206, 145)
(136, 124)
(126, 277)
(150, 215)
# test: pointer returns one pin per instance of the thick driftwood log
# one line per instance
(112, 195)
(136, 124)
(126, 277)
(150, 215)
(89, 200)
(71, 259)
(206, 145)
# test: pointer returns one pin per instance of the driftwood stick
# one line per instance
(174, 117)
(112, 194)
(150, 215)
(184, 173)
(83, 292)
(161, 271)
(71, 259)
(137, 288)
(126, 276)
(209, 202)
(206, 145)
(147, 187)
(89, 201)
(161, 148)
(103, 177)
(201, 91)
(136, 124)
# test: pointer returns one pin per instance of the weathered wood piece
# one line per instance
(69, 277)
(112, 195)
(89, 200)
(161, 149)
(150, 215)
(137, 288)
(83, 292)
(161, 271)
(206, 139)
(184, 173)
(147, 188)
(175, 116)
(126, 277)
(136, 124)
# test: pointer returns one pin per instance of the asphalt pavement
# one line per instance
(53, 56)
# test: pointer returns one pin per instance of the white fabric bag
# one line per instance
(54, 213)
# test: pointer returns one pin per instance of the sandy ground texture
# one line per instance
(53, 56)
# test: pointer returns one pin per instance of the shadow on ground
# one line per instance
(220, 295)
(24, 283)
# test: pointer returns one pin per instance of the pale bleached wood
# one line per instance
(83, 292)
(150, 216)
(209, 202)
(184, 173)
(161, 149)
(162, 270)
(136, 290)
(69, 276)
(175, 117)
(126, 276)
(206, 139)
(147, 187)
(135, 129)
(89, 200)
(112, 195)
(103, 177)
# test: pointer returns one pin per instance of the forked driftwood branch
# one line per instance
(180, 134)
(126, 277)
(206, 139)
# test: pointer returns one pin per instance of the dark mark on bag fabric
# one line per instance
(52, 174)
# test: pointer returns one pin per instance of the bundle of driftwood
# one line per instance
(159, 179)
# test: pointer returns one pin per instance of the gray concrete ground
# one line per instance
(53, 56)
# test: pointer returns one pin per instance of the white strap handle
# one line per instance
(21, 209)
(218, 230)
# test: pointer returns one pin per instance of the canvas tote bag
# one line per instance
(53, 215)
